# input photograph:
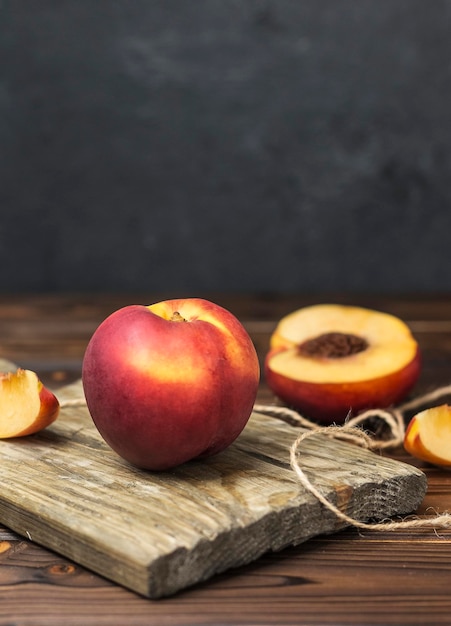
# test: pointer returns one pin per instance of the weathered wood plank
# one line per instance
(157, 533)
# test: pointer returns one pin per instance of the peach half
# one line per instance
(26, 406)
(329, 360)
(428, 436)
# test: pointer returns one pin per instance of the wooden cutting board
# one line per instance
(157, 533)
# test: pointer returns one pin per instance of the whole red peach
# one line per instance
(170, 382)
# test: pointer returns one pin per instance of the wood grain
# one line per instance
(157, 533)
(349, 577)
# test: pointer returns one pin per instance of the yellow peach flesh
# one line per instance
(374, 362)
(22, 409)
(305, 323)
(390, 344)
(428, 436)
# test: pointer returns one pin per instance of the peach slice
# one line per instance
(428, 436)
(26, 406)
(330, 360)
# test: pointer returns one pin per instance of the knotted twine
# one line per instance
(351, 431)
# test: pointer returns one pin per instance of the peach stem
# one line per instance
(176, 317)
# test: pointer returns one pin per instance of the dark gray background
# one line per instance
(225, 145)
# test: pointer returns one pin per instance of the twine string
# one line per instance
(394, 417)
(353, 432)
(356, 435)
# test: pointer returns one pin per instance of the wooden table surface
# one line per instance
(353, 577)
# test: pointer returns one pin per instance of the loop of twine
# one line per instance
(393, 417)
(352, 432)
(357, 435)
